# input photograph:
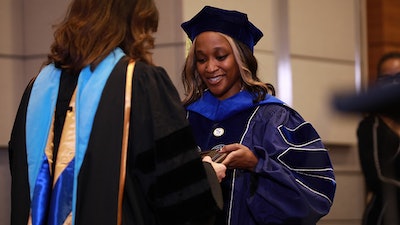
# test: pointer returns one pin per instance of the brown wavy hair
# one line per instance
(92, 29)
(248, 66)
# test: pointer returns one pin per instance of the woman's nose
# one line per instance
(211, 66)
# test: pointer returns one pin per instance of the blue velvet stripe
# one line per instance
(40, 113)
(41, 194)
(39, 117)
(312, 158)
(61, 200)
(90, 89)
(295, 136)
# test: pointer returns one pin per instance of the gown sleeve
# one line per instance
(295, 183)
(20, 199)
(167, 166)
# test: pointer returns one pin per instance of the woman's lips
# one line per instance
(214, 80)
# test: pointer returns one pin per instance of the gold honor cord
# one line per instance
(127, 112)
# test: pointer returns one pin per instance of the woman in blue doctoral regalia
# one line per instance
(279, 170)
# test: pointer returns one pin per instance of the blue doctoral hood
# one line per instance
(216, 110)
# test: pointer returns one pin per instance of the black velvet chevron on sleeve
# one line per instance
(183, 192)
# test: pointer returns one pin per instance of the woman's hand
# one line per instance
(239, 156)
(219, 168)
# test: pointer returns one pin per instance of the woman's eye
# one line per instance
(220, 58)
(200, 60)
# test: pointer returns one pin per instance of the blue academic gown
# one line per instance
(293, 181)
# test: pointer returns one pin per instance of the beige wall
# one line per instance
(11, 62)
(24, 43)
(322, 41)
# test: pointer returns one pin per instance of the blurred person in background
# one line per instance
(379, 151)
(378, 136)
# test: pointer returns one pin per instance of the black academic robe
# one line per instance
(166, 182)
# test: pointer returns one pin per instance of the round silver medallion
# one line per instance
(218, 132)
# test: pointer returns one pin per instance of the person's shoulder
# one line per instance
(153, 80)
(280, 112)
(274, 104)
(146, 74)
(144, 68)
(274, 108)
(367, 122)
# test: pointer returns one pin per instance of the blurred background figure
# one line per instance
(378, 137)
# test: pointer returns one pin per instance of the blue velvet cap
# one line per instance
(232, 23)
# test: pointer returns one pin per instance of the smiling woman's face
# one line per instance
(216, 65)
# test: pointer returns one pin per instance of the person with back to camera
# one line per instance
(379, 150)
(100, 136)
(279, 171)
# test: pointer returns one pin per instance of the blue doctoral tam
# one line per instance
(230, 22)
